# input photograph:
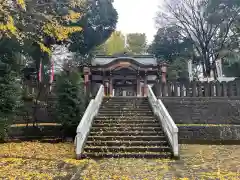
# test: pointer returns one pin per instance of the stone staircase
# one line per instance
(126, 127)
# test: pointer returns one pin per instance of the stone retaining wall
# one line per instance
(211, 134)
(203, 110)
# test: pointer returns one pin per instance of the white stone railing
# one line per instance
(86, 121)
(169, 127)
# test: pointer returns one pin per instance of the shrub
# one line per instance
(71, 100)
(10, 98)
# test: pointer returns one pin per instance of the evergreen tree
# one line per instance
(10, 97)
(70, 101)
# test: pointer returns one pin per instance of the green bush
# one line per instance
(10, 98)
(71, 101)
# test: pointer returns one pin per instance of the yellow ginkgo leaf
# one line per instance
(60, 32)
(72, 16)
(44, 48)
(22, 4)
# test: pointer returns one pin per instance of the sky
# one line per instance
(137, 16)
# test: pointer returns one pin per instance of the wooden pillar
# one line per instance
(104, 83)
(86, 72)
(138, 85)
(145, 84)
(110, 84)
(107, 87)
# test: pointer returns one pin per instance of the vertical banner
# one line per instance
(190, 70)
(51, 75)
(219, 68)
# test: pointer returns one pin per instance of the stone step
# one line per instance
(127, 149)
(125, 97)
(126, 100)
(114, 114)
(133, 128)
(127, 133)
(125, 138)
(125, 121)
(110, 117)
(127, 143)
(126, 106)
(166, 155)
(125, 110)
(141, 125)
(127, 103)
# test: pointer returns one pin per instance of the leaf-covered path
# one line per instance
(55, 161)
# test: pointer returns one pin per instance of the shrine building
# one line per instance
(123, 75)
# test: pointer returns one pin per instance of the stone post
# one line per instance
(164, 72)
(164, 78)
(224, 89)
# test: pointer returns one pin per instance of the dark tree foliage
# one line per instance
(10, 95)
(98, 24)
(70, 104)
(168, 44)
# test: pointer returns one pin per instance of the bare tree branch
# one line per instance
(207, 25)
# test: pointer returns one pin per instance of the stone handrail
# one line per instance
(169, 127)
(86, 121)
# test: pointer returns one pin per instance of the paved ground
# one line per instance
(55, 161)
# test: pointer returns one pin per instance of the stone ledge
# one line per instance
(201, 98)
(218, 133)
(204, 112)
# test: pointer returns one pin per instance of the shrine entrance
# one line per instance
(122, 75)
(125, 88)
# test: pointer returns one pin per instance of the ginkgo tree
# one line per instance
(36, 25)
(29, 28)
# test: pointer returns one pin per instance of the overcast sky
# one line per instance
(137, 16)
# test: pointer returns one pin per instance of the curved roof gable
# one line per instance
(137, 60)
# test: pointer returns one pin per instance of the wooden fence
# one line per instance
(197, 89)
